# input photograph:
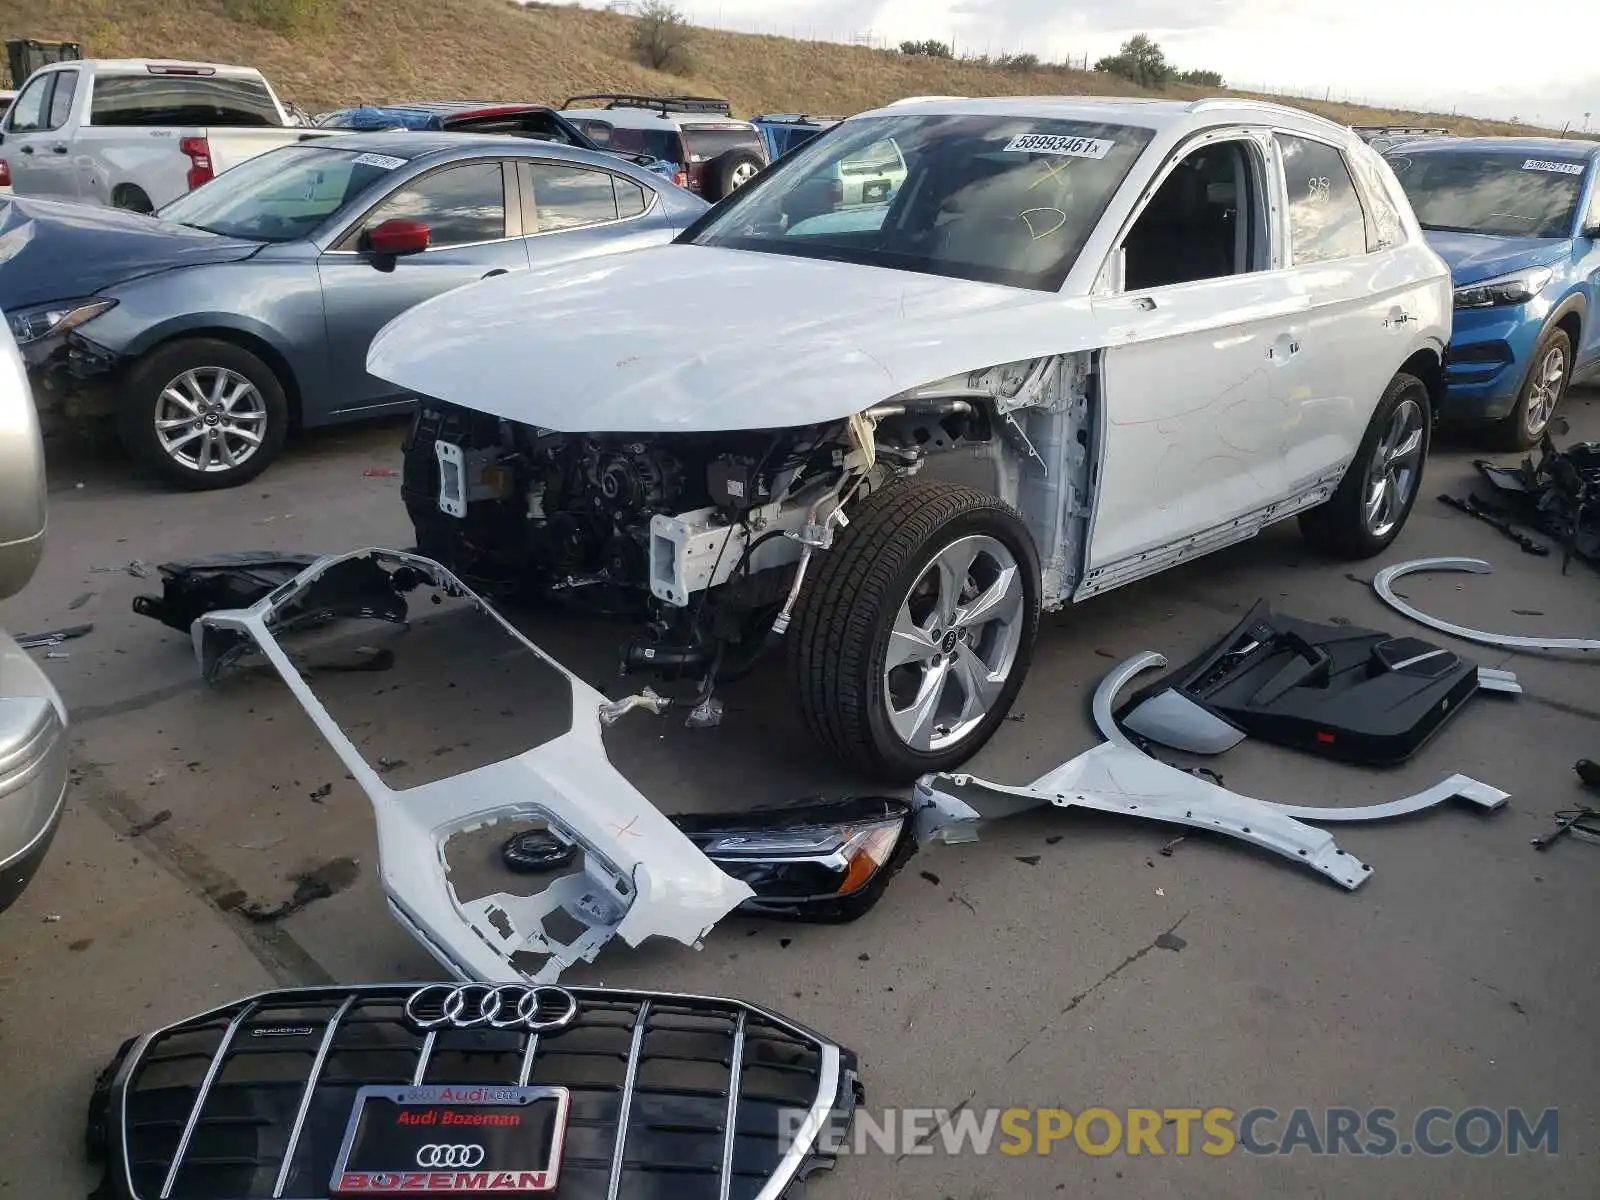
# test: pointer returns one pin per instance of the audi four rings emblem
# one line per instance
(449, 1156)
(542, 1009)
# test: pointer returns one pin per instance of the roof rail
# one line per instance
(794, 119)
(662, 104)
(1265, 106)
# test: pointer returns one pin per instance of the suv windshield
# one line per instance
(1000, 199)
(1492, 192)
(282, 195)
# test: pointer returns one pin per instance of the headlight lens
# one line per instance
(1516, 288)
(823, 861)
(31, 324)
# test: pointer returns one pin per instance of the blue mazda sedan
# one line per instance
(1518, 220)
(244, 310)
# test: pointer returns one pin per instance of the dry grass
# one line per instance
(388, 50)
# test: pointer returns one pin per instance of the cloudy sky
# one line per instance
(1423, 52)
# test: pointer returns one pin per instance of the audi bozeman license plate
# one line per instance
(447, 1140)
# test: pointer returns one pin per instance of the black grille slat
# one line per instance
(669, 1097)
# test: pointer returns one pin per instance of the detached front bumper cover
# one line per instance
(641, 878)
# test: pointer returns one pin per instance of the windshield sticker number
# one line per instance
(1559, 168)
(384, 162)
(1071, 147)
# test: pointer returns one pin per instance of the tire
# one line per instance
(732, 171)
(1398, 438)
(883, 562)
(178, 381)
(1549, 373)
(131, 198)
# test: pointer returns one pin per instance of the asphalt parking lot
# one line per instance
(1062, 961)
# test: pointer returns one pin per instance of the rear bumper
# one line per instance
(33, 768)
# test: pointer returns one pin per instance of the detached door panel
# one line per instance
(474, 227)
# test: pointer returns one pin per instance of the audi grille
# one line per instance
(672, 1097)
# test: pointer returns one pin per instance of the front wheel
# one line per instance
(1380, 487)
(203, 414)
(1549, 373)
(916, 630)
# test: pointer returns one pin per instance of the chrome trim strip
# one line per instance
(629, 1082)
(305, 1096)
(735, 1071)
(821, 1108)
(212, 1072)
(525, 1072)
(421, 1072)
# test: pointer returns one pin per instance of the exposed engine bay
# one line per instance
(704, 537)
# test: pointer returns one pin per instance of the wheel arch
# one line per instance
(1570, 316)
(241, 332)
(1427, 364)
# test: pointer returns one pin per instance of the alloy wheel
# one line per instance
(1395, 470)
(742, 174)
(210, 419)
(954, 643)
(1544, 391)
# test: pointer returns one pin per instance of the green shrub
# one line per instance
(663, 39)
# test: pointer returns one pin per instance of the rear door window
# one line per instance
(61, 99)
(1326, 221)
(567, 197)
(146, 100)
(27, 112)
(460, 205)
(707, 144)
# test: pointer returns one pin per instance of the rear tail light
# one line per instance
(681, 178)
(199, 151)
(5, 174)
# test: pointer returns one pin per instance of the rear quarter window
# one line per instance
(146, 100)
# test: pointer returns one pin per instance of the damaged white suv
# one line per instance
(1084, 341)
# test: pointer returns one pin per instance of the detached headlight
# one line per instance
(825, 861)
(1516, 288)
(31, 324)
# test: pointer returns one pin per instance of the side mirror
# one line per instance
(397, 237)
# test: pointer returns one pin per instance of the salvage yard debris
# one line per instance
(1352, 694)
(1118, 777)
(1559, 494)
(52, 637)
(1384, 583)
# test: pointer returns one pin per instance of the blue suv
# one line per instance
(1518, 220)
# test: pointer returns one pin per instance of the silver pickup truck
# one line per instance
(33, 721)
(136, 133)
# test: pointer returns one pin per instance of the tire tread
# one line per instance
(848, 589)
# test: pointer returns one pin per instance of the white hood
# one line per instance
(681, 338)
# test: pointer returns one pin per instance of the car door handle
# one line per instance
(1145, 304)
(59, 148)
(496, 271)
(26, 149)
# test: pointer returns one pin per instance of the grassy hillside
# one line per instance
(385, 50)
